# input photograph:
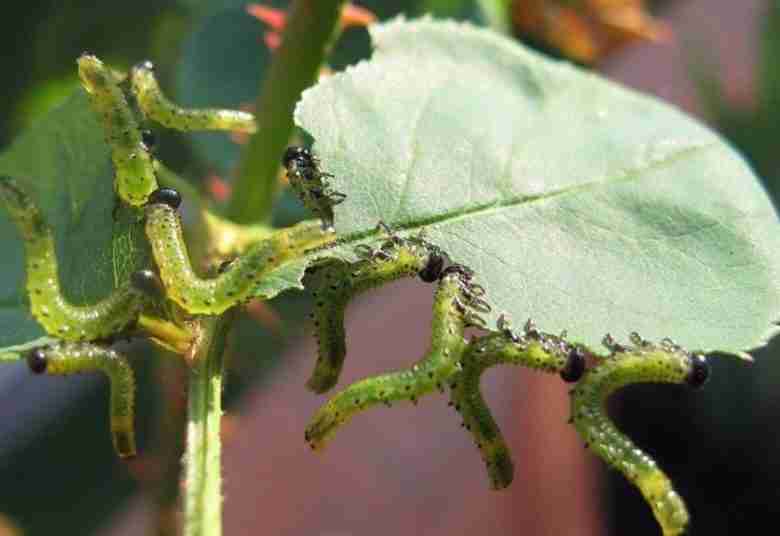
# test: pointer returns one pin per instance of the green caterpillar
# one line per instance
(340, 282)
(539, 351)
(451, 314)
(310, 184)
(133, 167)
(70, 358)
(645, 363)
(157, 107)
(237, 280)
(49, 306)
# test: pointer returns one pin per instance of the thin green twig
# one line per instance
(311, 26)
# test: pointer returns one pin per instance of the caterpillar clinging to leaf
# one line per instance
(310, 184)
(452, 312)
(158, 108)
(533, 349)
(71, 358)
(235, 283)
(642, 363)
(58, 316)
(340, 282)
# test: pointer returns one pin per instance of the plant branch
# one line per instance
(203, 467)
(310, 28)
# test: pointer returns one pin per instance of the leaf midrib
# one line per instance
(626, 175)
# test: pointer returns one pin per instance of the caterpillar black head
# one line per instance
(300, 156)
(145, 65)
(149, 140)
(575, 365)
(166, 196)
(700, 371)
(434, 267)
(36, 360)
(148, 283)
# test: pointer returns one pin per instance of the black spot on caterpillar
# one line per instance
(235, 284)
(310, 184)
(341, 282)
(70, 358)
(540, 351)
(134, 172)
(158, 108)
(433, 371)
(642, 363)
(48, 305)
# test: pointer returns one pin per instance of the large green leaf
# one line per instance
(579, 203)
(64, 163)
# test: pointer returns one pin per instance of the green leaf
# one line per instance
(579, 203)
(64, 163)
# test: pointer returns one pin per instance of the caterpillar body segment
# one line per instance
(157, 107)
(236, 282)
(341, 282)
(545, 352)
(432, 372)
(134, 172)
(643, 364)
(48, 305)
(71, 358)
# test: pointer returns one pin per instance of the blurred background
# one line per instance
(407, 470)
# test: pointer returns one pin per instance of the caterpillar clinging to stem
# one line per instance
(235, 283)
(133, 168)
(158, 108)
(71, 358)
(49, 306)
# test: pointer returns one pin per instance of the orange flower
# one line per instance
(587, 30)
(351, 15)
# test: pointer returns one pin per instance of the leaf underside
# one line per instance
(64, 163)
(579, 203)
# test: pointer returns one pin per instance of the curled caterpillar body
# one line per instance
(310, 184)
(645, 364)
(71, 358)
(134, 171)
(49, 306)
(432, 372)
(339, 283)
(546, 353)
(157, 107)
(235, 284)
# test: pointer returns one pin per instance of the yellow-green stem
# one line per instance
(203, 467)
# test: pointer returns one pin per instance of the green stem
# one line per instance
(311, 26)
(202, 459)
